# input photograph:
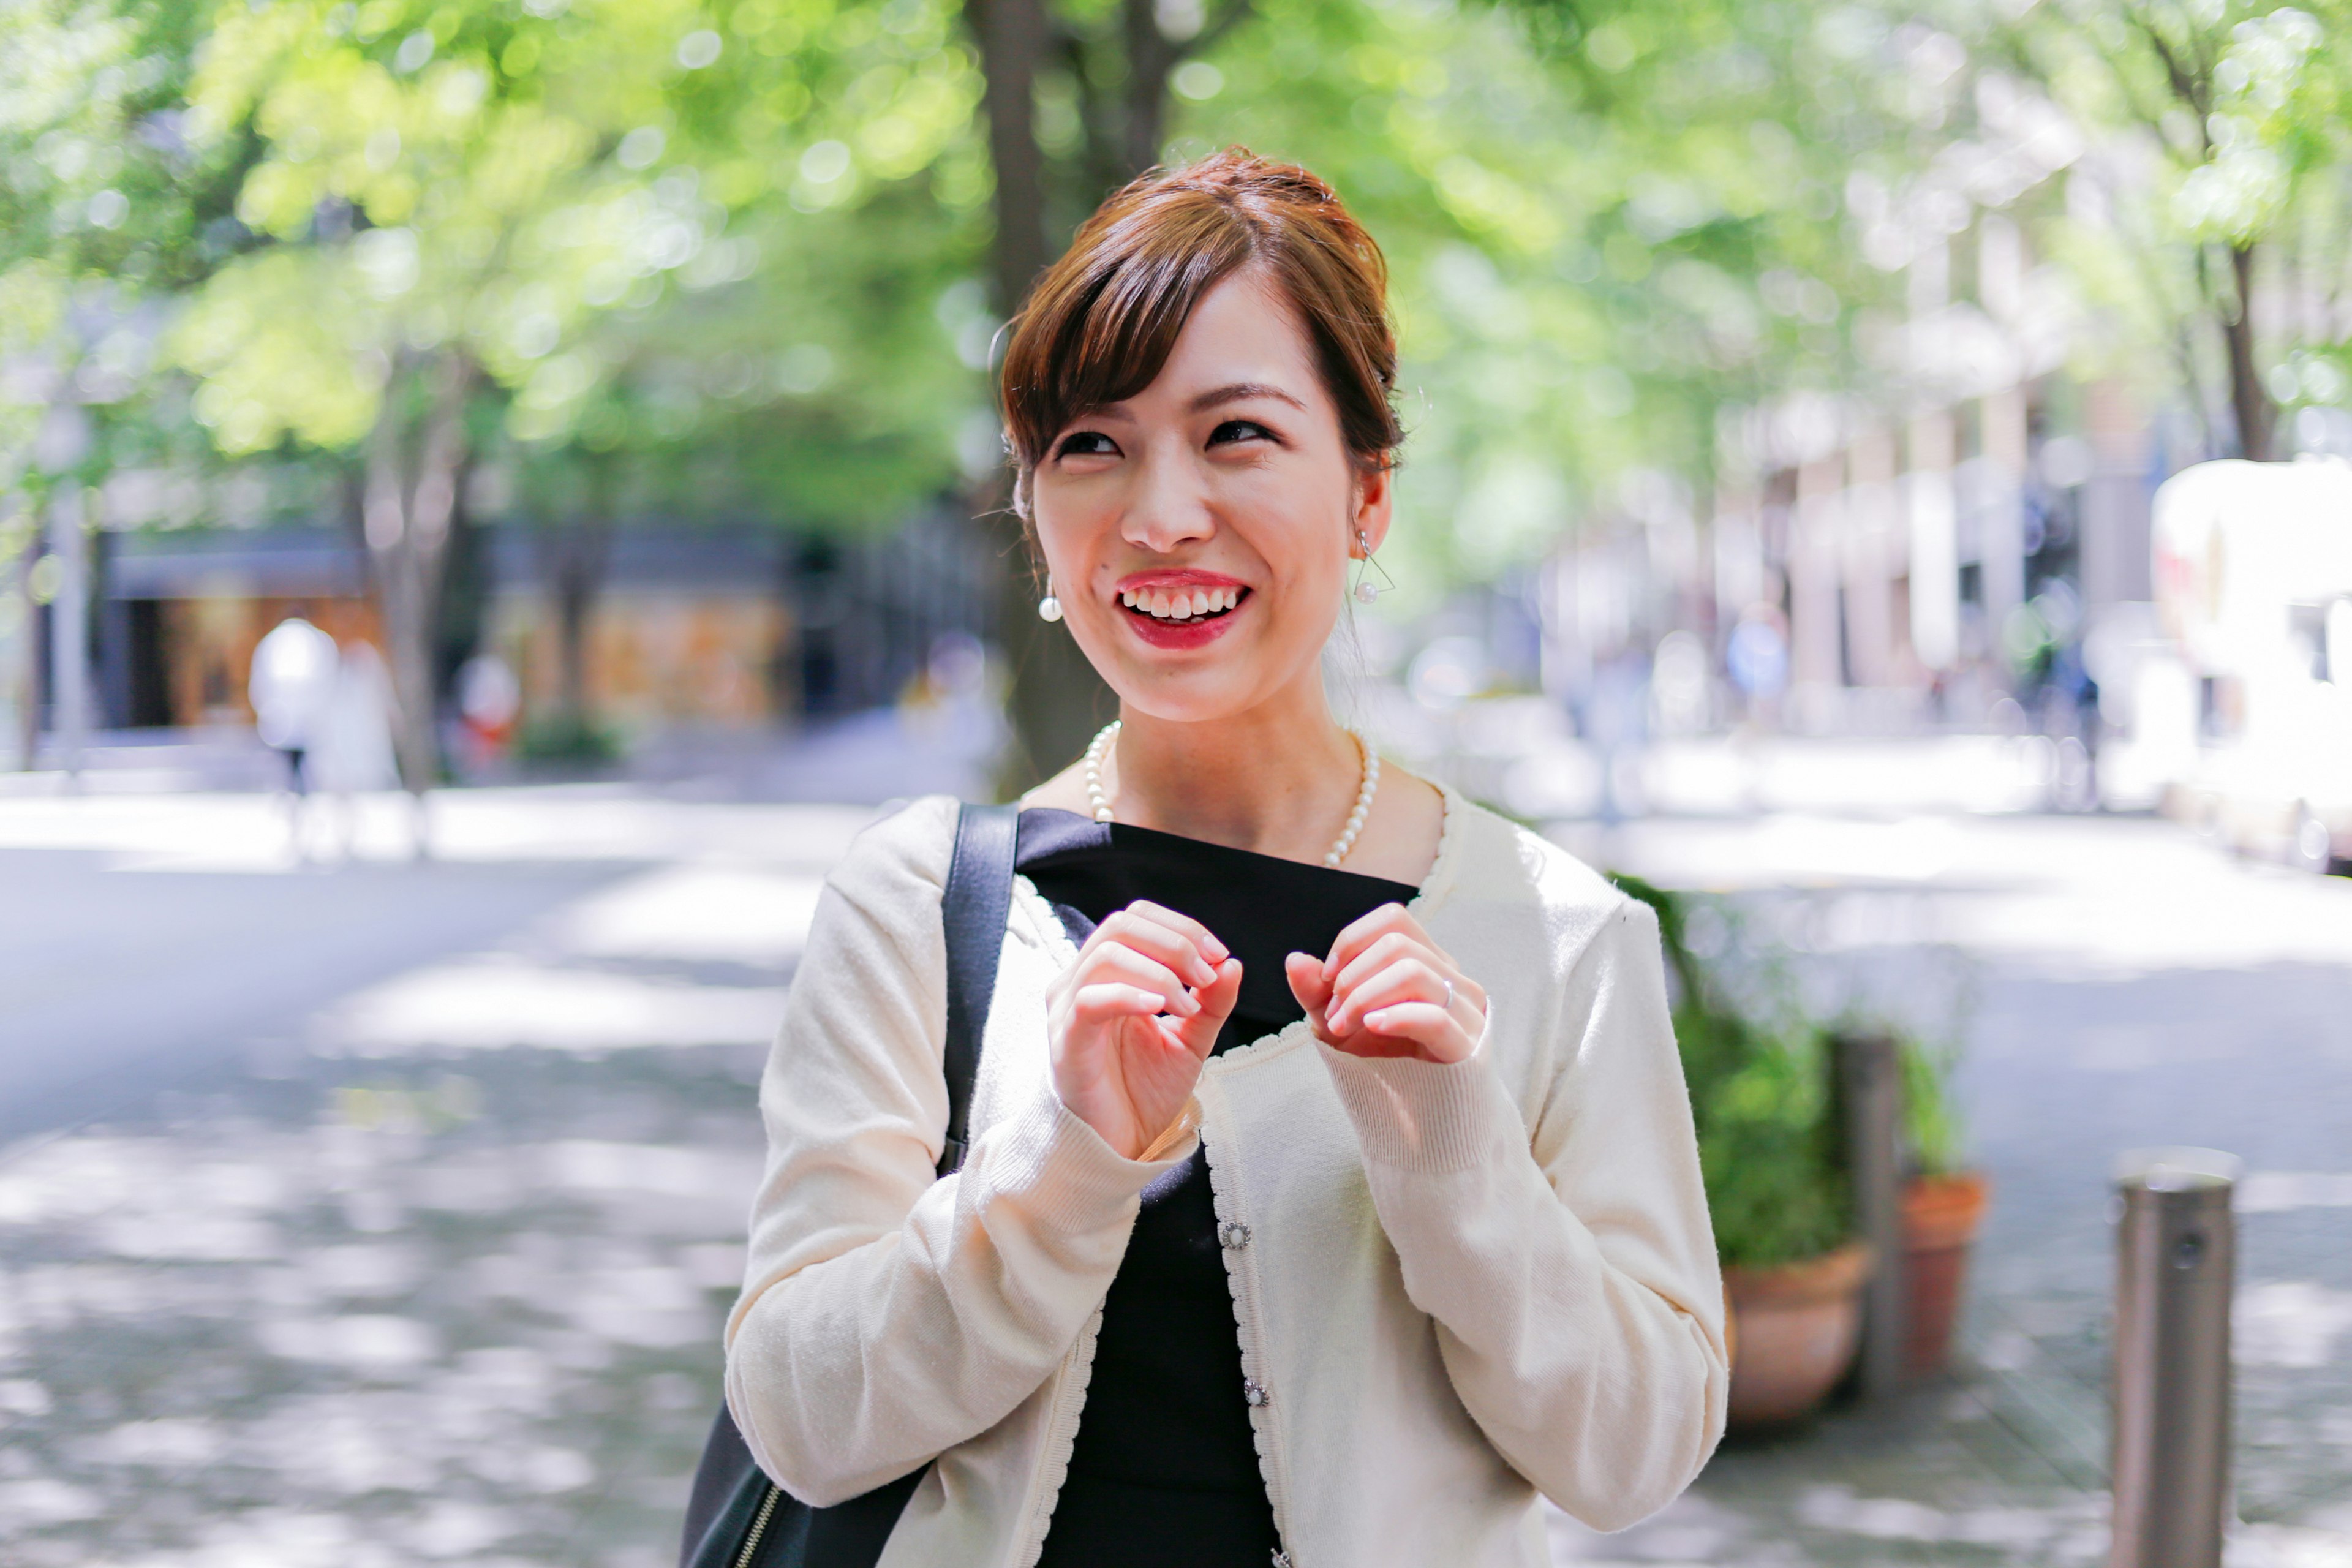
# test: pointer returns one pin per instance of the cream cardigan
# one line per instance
(1454, 1286)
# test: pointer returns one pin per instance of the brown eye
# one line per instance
(1233, 430)
(1086, 444)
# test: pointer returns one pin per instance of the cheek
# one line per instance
(1067, 527)
(1301, 530)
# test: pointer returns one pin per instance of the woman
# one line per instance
(1332, 1190)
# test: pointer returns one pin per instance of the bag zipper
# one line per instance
(759, 1527)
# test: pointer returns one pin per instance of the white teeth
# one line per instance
(1180, 605)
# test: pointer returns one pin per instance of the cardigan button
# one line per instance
(1232, 1234)
(1253, 1393)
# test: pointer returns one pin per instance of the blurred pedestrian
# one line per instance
(1402, 1105)
(291, 685)
(489, 704)
(1757, 659)
(353, 755)
(1616, 722)
(292, 682)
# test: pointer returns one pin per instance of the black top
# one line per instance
(1164, 1473)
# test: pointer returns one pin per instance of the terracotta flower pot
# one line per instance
(1795, 1328)
(1941, 1216)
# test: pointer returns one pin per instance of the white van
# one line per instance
(2253, 587)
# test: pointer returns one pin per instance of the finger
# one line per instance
(1095, 1005)
(1386, 952)
(1307, 983)
(1216, 1001)
(1426, 1025)
(1406, 980)
(1184, 925)
(1179, 950)
(1124, 964)
(1365, 929)
(1305, 972)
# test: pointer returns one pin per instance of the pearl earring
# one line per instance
(1365, 592)
(1049, 608)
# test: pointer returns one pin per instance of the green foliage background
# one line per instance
(742, 243)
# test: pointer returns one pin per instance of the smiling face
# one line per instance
(1198, 533)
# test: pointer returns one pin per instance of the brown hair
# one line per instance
(1100, 323)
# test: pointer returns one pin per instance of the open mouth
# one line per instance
(1181, 605)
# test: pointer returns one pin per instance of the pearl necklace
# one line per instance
(1101, 744)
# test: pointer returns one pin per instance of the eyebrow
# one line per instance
(1240, 391)
(1233, 392)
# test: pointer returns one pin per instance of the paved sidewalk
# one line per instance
(433, 1272)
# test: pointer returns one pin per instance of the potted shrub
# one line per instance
(1943, 1204)
(1775, 1180)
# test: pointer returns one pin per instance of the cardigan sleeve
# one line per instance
(888, 1315)
(1570, 1270)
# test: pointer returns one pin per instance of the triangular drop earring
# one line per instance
(1365, 592)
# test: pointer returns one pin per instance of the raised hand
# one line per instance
(1131, 1021)
(1387, 990)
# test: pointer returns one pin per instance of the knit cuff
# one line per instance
(1421, 1115)
(1066, 1175)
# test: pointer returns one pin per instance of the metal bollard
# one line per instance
(2176, 1256)
(1870, 1088)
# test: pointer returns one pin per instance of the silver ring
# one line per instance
(1449, 996)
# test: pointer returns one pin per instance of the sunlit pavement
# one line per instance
(421, 1255)
(408, 1243)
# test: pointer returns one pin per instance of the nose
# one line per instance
(1169, 505)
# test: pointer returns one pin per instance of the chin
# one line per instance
(1204, 693)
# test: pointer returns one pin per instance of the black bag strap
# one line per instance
(737, 1517)
(973, 910)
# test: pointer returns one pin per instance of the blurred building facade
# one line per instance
(1903, 558)
(743, 626)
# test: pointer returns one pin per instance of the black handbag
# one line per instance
(738, 1518)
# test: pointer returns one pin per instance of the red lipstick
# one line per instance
(1226, 598)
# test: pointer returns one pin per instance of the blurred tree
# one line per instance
(2227, 136)
(106, 211)
(474, 215)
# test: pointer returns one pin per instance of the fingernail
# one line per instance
(1218, 951)
(1188, 1005)
(1158, 1003)
(1203, 974)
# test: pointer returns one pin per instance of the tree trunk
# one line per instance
(1150, 55)
(573, 560)
(1013, 35)
(2250, 400)
(25, 679)
(1056, 700)
(410, 505)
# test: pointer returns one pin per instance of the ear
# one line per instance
(1375, 495)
